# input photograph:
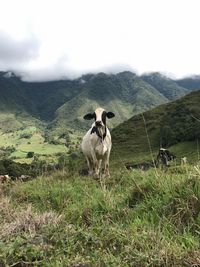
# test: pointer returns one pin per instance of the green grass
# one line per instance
(189, 149)
(135, 218)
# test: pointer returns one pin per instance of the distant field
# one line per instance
(27, 140)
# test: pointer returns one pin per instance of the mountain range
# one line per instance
(62, 104)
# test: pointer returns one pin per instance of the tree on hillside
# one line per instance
(30, 154)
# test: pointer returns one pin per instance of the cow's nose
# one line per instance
(98, 123)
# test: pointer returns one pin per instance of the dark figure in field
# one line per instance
(164, 157)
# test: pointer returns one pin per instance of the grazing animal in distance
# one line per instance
(164, 157)
(184, 161)
(96, 144)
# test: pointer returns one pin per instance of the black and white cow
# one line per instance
(164, 157)
(96, 144)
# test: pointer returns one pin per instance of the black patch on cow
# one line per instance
(110, 115)
(167, 154)
(90, 116)
(95, 130)
(104, 117)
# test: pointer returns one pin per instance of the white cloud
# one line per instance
(13, 51)
(66, 38)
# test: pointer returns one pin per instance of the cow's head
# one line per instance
(99, 116)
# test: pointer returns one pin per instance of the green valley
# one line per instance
(56, 108)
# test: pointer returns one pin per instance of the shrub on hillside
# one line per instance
(30, 154)
(25, 135)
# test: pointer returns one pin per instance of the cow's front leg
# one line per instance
(105, 167)
(95, 165)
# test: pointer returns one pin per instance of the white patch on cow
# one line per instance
(99, 112)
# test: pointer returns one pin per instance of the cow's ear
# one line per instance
(110, 115)
(89, 116)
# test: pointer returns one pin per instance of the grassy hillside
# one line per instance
(47, 97)
(166, 125)
(166, 86)
(12, 97)
(39, 99)
(133, 219)
(13, 121)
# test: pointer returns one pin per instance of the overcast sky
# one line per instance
(52, 39)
